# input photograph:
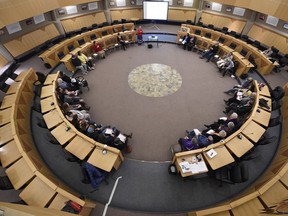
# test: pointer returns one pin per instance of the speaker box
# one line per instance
(150, 46)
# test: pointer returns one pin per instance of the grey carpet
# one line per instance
(156, 123)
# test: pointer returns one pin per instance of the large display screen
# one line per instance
(155, 10)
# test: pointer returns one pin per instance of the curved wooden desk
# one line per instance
(103, 35)
(239, 143)
(264, 65)
(18, 154)
(76, 142)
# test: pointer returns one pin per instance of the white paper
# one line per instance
(211, 153)
(122, 137)
(93, 6)
(239, 11)
(108, 131)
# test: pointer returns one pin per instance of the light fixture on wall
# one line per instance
(179, 2)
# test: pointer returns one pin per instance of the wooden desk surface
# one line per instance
(265, 91)
(6, 133)
(66, 58)
(52, 118)
(79, 147)
(9, 153)
(13, 88)
(5, 116)
(47, 91)
(262, 117)
(19, 173)
(253, 131)
(104, 162)
(239, 146)
(8, 101)
(50, 79)
(189, 159)
(222, 158)
(21, 76)
(58, 202)
(37, 193)
(61, 133)
(47, 104)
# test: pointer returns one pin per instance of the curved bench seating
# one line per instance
(51, 57)
(264, 65)
(270, 190)
(250, 132)
(78, 143)
(25, 167)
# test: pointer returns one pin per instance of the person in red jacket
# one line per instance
(139, 34)
(97, 49)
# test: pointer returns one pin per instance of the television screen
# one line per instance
(154, 10)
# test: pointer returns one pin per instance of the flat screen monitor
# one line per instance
(155, 10)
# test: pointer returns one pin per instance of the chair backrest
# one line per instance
(123, 20)
(221, 40)
(93, 37)
(207, 35)
(105, 24)
(232, 33)
(210, 26)
(71, 47)
(243, 52)
(189, 21)
(244, 38)
(104, 33)
(84, 29)
(94, 26)
(274, 121)
(60, 55)
(197, 32)
(232, 45)
(224, 30)
(256, 43)
(81, 41)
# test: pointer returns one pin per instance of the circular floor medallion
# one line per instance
(154, 80)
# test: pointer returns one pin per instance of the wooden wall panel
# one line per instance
(269, 37)
(181, 14)
(3, 61)
(77, 23)
(126, 14)
(26, 42)
(221, 21)
(277, 8)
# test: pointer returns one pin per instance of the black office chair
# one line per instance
(94, 26)
(256, 44)
(197, 32)
(276, 104)
(232, 33)
(93, 37)
(84, 29)
(104, 33)
(252, 61)
(232, 45)
(244, 38)
(52, 139)
(232, 174)
(224, 30)
(243, 52)
(60, 55)
(189, 22)
(221, 40)
(105, 24)
(277, 93)
(115, 22)
(275, 121)
(266, 139)
(200, 24)
(41, 123)
(210, 26)
(71, 47)
(207, 35)
(123, 20)
(283, 61)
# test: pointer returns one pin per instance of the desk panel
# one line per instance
(253, 131)
(222, 158)
(52, 118)
(9, 153)
(8, 101)
(19, 173)
(37, 193)
(47, 104)
(6, 133)
(5, 116)
(265, 91)
(62, 133)
(13, 88)
(50, 79)
(79, 147)
(47, 91)
(239, 145)
(105, 162)
(262, 117)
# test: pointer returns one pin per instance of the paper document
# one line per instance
(122, 137)
(108, 131)
(211, 153)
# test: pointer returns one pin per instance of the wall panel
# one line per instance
(269, 37)
(26, 42)
(220, 21)
(126, 14)
(77, 23)
(181, 14)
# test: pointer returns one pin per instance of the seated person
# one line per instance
(80, 106)
(228, 66)
(81, 114)
(221, 63)
(268, 52)
(121, 41)
(121, 141)
(186, 40)
(79, 65)
(188, 143)
(216, 126)
(64, 92)
(248, 84)
(211, 52)
(239, 96)
(64, 77)
(98, 49)
(85, 60)
(192, 43)
(242, 109)
(64, 85)
(217, 137)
